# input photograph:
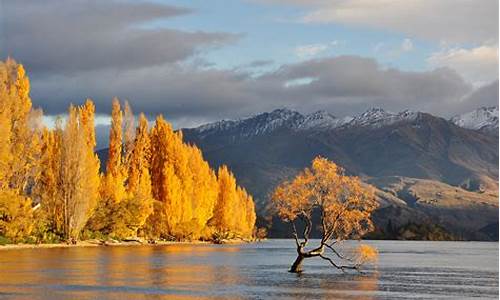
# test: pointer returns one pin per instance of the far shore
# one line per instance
(101, 243)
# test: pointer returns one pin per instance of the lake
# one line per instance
(406, 269)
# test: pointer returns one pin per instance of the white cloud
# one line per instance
(307, 51)
(456, 21)
(300, 81)
(406, 45)
(378, 47)
(312, 50)
(478, 65)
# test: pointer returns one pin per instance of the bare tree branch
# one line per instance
(307, 227)
(295, 235)
(337, 253)
(340, 267)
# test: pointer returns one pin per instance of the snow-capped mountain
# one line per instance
(256, 125)
(295, 121)
(322, 120)
(277, 119)
(377, 117)
(483, 118)
(267, 148)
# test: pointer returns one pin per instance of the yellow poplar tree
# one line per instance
(48, 185)
(234, 211)
(139, 205)
(166, 187)
(129, 137)
(224, 213)
(19, 151)
(183, 185)
(204, 192)
(80, 169)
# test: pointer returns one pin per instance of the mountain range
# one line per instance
(424, 168)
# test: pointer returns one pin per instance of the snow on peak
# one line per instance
(284, 118)
(378, 117)
(322, 120)
(483, 118)
(255, 125)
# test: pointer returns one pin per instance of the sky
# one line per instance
(200, 61)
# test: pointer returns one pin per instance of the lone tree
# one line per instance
(344, 207)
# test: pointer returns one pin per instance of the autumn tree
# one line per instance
(129, 131)
(191, 199)
(112, 185)
(172, 182)
(153, 180)
(234, 211)
(47, 188)
(79, 169)
(344, 207)
(203, 194)
(225, 210)
(136, 208)
(125, 192)
(20, 132)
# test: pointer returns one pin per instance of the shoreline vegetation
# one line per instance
(154, 186)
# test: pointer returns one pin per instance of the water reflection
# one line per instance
(244, 272)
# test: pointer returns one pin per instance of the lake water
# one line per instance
(412, 270)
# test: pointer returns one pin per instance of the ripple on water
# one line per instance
(411, 270)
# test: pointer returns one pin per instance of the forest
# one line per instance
(154, 186)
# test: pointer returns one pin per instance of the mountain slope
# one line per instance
(483, 119)
(407, 144)
(267, 148)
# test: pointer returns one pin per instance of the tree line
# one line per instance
(154, 185)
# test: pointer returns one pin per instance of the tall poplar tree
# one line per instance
(79, 169)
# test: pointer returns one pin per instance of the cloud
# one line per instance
(478, 65)
(79, 49)
(307, 51)
(349, 84)
(188, 95)
(455, 21)
(70, 37)
(406, 45)
(260, 63)
(313, 50)
(486, 95)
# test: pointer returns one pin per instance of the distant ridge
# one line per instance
(457, 159)
(484, 118)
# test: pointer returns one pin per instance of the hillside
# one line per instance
(267, 148)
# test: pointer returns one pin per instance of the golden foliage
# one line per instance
(154, 184)
(345, 205)
(19, 151)
(125, 191)
(16, 217)
(191, 197)
(366, 254)
(48, 186)
(80, 177)
(234, 210)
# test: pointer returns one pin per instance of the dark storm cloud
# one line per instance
(348, 84)
(101, 49)
(72, 36)
(342, 85)
(486, 95)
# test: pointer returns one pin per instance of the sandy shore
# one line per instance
(98, 243)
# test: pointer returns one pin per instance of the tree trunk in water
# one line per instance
(297, 265)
